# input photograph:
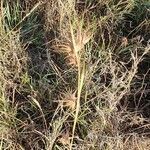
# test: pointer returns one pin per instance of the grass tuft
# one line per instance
(74, 75)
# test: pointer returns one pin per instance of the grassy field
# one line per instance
(75, 75)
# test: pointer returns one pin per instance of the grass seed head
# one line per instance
(72, 50)
(64, 138)
(68, 100)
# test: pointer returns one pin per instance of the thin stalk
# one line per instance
(81, 73)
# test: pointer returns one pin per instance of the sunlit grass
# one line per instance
(69, 71)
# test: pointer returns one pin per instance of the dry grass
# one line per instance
(74, 75)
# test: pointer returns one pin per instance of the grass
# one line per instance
(74, 75)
